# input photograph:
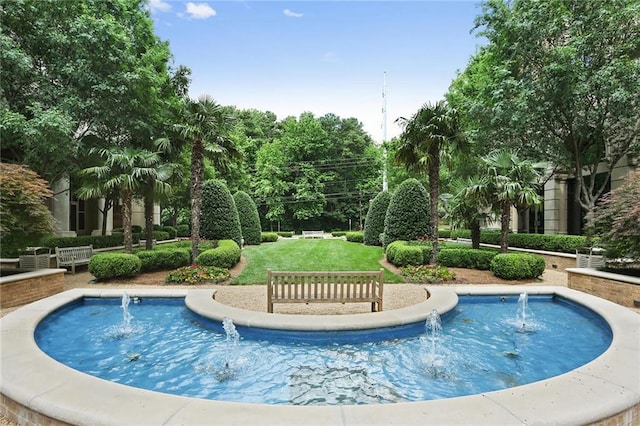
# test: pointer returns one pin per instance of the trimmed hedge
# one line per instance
(220, 220)
(466, 258)
(226, 255)
(269, 237)
(517, 266)
(249, 218)
(183, 231)
(98, 241)
(285, 234)
(355, 236)
(171, 230)
(547, 242)
(153, 260)
(338, 233)
(402, 253)
(114, 265)
(407, 216)
(374, 222)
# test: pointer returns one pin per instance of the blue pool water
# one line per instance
(483, 347)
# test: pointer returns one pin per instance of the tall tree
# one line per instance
(560, 80)
(207, 127)
(126, 170)
(426, 134)
(508, 182)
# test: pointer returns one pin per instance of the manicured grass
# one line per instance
(310, 255)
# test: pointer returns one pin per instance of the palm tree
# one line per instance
(508, 182)
(426, 134)
(125, 169)
(207, 125)
(465, 211)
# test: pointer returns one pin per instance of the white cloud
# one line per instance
(159, 6)
(200, 10)
(290, 13)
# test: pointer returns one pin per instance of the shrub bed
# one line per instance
(153, 260)
(197, 274)
(466, 258)
(547, 242)
(114, 265)
(355, 237)
(516, 266)
(226, 255)
(427, 274)
(269, 237)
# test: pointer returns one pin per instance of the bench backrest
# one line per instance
(67, 254)
(325, 285)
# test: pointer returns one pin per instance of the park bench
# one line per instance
(325, 287)
(73, 256)
(312, 234)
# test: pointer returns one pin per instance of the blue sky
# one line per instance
(321, 56)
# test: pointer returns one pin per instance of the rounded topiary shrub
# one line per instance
(269, 237)
(153, 260)
(226, 255)
(183, 231)
(114, 265)
(374, 222)
(407, 216)
(220, 219)
(466, 258)
(249, 218)
(517, 266)
(354, 236)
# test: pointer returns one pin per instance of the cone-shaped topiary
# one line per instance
(408, 215)
(374, 223)
(220, 219)
(249, 218)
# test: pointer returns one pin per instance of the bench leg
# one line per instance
(73, 268)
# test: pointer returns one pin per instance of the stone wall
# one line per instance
(616, 288)
(20, 289)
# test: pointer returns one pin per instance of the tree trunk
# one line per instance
(105, 211)
(148, 222)
(126, 220)
(434, 195)
(505, 219)
(197, 173)
(475, 234)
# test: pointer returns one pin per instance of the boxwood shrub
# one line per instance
(338, 233)
(355, 237)
(105, 266)
(285, 234)
(516, 266)
(408, 216)
(374, 222)
(402, 253)
(98, 241)
(226, 255)
(171, 230)
(183, 231)
(466, 258)
(269, 237)
(153, 260)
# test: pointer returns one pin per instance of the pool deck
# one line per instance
(35, 388)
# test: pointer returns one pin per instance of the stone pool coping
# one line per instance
(34, 387)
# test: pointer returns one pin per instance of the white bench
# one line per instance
(325, 287)
(73, 256)
(312, 234)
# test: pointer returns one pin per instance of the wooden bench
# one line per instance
(73, 256)
(325, 287)
(312, 234)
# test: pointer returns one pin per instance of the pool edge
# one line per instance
(596, 392)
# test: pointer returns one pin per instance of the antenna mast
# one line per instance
(385, 185)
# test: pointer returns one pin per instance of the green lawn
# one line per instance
(310, 255)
